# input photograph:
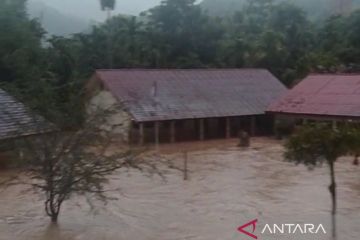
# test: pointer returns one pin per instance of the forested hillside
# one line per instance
(56, 22)
(176, 34)
(316, 9)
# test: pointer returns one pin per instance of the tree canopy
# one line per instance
(175, 34)
(316, 144)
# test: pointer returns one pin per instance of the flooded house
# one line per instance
(321, 97)
(17, 122)
(178, 105)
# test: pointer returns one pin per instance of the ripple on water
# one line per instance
(227, 187)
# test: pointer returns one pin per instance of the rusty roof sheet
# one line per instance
(322, 95)
(156, 95)
(16, 120)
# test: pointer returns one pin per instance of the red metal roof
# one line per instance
(155, 95)
(322, 95)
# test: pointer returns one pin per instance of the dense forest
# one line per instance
(49, 72)
(317, 10)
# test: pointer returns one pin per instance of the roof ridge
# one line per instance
(334, 74)
(179, 69)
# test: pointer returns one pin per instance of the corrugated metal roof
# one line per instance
(155, 95)
(324, 95)
(16, 120)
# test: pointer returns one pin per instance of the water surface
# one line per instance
(228, 187)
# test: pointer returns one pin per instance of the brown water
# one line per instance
(227, 188)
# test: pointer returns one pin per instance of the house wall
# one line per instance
(214, 128)
(114, 120)
(7, 153)
(13, 151)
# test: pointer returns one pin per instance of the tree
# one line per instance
(314, 144)
(353, 135)
(20, 47)
(182, 35)
(351, 55)
(269, 35)
(337, 47)
(61, 163)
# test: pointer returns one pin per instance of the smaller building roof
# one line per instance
(173, 94)
(332, 95)
(17, 121)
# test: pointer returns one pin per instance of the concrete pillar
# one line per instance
(128, 135)
(228, 128)
(157, 133)
(275, 126)
(141, 134)
(172, 132)
(202, 129)
(253, 126)
(239, 126)
(334, 124)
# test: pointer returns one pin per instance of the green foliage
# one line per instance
(315, 144)
(182, 35)
(176, 34)
(273, 36)
(46, 77)
(353, 139)
(338, 44)
(20, 43)
(317, 10)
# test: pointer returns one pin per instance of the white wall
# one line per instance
(116, 121)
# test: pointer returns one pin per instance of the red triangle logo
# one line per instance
(253, 224)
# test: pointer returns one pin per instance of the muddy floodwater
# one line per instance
(227, 188)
